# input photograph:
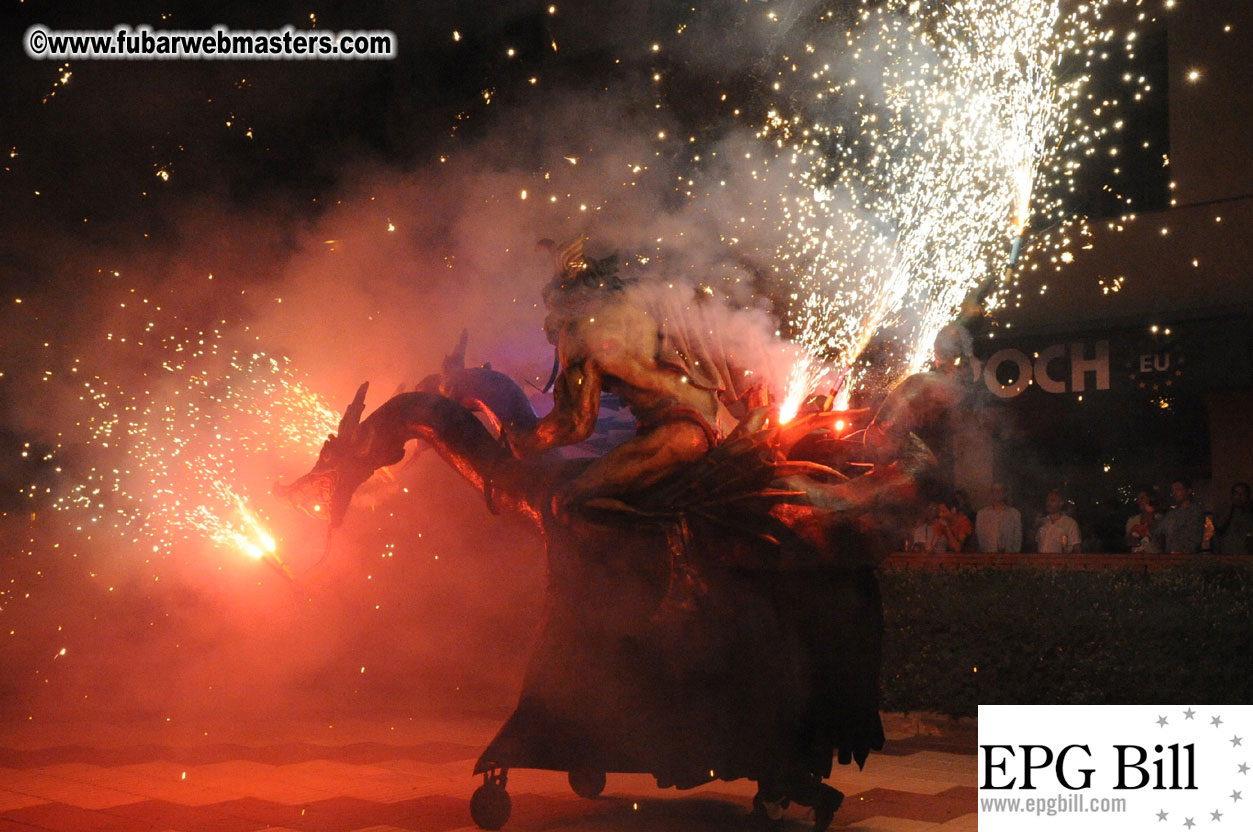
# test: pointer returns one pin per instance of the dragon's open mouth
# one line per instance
(311, 494)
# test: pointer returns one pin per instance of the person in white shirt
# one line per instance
(998, 526)
(1056, 533)
(928, 536)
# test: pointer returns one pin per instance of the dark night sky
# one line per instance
(93, 149)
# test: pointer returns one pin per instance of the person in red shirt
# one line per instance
(1141, 531)
(954, 526)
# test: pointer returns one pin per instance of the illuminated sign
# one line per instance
(1072, 367)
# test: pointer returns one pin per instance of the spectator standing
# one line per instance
(943, 530)
(1141, 531)
(1182, 530)
(1056, 533)
(1234, 527)
(998, 525)
(963, 506)
(928, 536)
(955, 527)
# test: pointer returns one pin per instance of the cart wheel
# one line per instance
(490, 805)
(587, 783)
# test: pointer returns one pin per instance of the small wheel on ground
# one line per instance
(490, 806)
(587, 783)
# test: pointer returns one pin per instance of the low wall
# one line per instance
(961, 630)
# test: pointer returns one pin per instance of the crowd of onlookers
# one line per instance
(1182, 526)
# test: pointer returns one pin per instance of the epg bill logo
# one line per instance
(1115, 767)
(1132, 772)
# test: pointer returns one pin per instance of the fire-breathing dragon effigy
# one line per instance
(713, 610)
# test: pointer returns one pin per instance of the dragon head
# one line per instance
(343, 464)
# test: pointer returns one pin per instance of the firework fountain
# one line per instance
(182, 436)
(950, 116)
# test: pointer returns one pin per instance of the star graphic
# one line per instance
(1235, 795)
(1243, 768)
(1189, 823)
(1216, 721)
(1234, 740)
(1161, 816)
(1188, 714)
(1161, 722)
(1216, 815)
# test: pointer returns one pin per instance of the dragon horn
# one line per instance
(457, 360)
(352, 416)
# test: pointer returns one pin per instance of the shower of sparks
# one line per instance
(180, 441)
(947, 118)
